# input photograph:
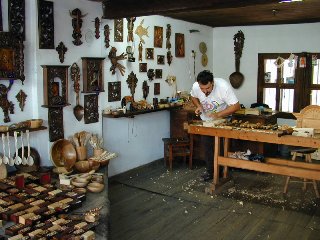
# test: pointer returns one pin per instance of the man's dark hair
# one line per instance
(205, 77)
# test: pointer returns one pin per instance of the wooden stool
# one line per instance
(306, 153)
(176, 147)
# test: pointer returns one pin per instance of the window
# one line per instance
(289, 82)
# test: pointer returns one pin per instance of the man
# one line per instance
(214, 99)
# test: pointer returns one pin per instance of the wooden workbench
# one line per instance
(271, 165)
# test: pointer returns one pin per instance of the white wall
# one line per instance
(259, 39)
(182, 68)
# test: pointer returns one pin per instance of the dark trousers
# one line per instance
(208, 143)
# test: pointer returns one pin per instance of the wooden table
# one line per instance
(271, 165)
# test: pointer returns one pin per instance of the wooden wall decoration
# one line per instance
(11, 57)
(61, 49)
(168, 44)
(6, 105)
(140, 48)
(118, 30)
(21, 98)
(16, 9)
(145, 89)
(114, 61)
(158, 37)
(91, 108)
(179, 41)
(55, 122)
(143, 67)
(92, 70)
(150, 74)
(158, 73)
(114, 91)
(156, 90)
(149, 53)
(55, 86)
(132, 81)
(77, 24)
(130, 27)
(141, 32)
(107, 35)
(97, 27)
(160, 59)
(46, 24)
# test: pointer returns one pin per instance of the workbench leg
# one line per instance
(191, 151)
(226, 145)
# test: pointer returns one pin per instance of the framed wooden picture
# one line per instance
(149, 53)
(158, 36)
(179, 41)
(158, 73)
(143, 67)
(160, 59)
(156, 90)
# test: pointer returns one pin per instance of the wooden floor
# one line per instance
(150, 203)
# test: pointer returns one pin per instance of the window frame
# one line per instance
(302, 85)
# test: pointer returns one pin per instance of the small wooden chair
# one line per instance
(176, 147)
(306, 153)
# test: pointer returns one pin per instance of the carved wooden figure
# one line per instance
(150, 74)
(97, 26)
(140, 51)
(61, 49)
(6, 105)
(114, 61)
(132, 83)
(107, 36)
(77, 24)
(130, 26)
(21, 97)
(168, 35)
(145, 89)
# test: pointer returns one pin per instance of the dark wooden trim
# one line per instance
(129, 8)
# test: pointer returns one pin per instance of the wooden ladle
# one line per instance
(236, 78)
(78, 110)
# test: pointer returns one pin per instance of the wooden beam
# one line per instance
(113, 9)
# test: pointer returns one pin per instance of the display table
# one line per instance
(271, 165)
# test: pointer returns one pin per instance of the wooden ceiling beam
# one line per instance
(113, 9)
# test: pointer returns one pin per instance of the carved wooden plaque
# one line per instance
(114, 91)
(17, 18)
(91, 108)
(158, 37)
(156, 90)
(45, 24)
(118, 30)
(55, 121)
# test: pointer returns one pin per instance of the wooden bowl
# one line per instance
(94, 164)
(63, 154)
(79, 190)
(97, 178)
(36, 123)
(95, 187)
(82, 166)
(78, 183)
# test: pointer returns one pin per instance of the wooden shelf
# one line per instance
(132, 114)
(24, 130)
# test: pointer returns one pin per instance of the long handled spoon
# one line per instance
(5, 158)
(11, 160)
(24, 159)
(30, 158)
(17, 159)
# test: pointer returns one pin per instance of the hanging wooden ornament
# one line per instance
(21, 97)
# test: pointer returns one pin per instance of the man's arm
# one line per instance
(197, 104)
(229, 110)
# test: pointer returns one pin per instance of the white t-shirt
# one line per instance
(219, 99)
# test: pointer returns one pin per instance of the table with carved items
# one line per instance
(269, 165)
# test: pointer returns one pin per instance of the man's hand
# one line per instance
(213, 115)
(198, 111)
